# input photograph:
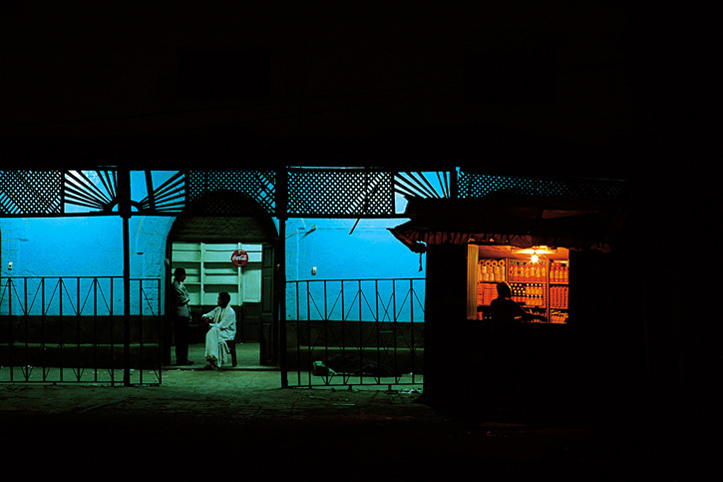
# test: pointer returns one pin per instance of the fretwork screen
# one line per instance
(472, 185)
(340, 192)
(257, 185)
(30, 192)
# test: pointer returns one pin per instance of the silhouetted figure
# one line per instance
(182, 316)
(505, 311)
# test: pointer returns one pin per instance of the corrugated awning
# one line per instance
(520, 222)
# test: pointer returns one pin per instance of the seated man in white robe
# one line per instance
(221, 327)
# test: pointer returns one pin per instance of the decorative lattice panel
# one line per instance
(423, 184)
(169, 197)
(340, 192)
(90, 190)
(473, 185)
(30, 192)
(256, 185)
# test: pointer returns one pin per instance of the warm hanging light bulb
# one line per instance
(534, 258)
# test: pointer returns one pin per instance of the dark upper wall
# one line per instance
(360, 81)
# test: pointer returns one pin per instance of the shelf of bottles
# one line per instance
(559, 291)
(541, 286)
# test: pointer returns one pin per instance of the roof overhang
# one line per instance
(507, 220)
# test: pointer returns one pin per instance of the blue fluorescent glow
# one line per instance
(93, 246)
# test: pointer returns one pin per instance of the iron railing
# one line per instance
(73, 330)
(354, 332)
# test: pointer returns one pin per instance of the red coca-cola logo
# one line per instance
(240, 258)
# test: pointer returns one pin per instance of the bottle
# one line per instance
(558, 304)
(541, 299)
(541, 289)
(557, 297)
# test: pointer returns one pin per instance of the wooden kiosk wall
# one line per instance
(550, 366)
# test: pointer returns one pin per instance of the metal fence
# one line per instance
(355, 332)
(74, 330)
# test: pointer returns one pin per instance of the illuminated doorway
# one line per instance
(208, 248)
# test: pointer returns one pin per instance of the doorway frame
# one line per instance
(267, 234)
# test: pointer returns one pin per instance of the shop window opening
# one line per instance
(538, 278)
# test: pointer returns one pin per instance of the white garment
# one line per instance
(221, 328)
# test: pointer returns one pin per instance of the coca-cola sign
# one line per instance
(240, 258)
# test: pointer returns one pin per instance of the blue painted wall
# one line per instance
(83, 246)
(92, 246)
(330, 245)
(320, 250)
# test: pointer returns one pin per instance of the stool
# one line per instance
(232, 348)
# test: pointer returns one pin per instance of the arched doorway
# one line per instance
(203, 240)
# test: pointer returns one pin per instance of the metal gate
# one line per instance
(74, 330)
(354, 332)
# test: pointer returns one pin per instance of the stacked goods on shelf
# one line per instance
(557, 316)
(486, 292)
(558, 294)
(518, 292)
(528, 294)
(535, 294)
(558, 273)
(558, 297)
(492, 270)
(521, 272)
(541, 286)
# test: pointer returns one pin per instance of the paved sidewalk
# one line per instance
(200, 424)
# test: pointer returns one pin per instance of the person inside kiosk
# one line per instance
(505, 311)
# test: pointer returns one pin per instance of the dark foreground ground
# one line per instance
(202, 425)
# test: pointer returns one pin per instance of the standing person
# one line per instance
(182, 316)
(222, 326)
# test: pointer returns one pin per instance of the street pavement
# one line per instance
(237, 424)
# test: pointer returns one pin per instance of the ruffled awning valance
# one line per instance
(504, 221)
